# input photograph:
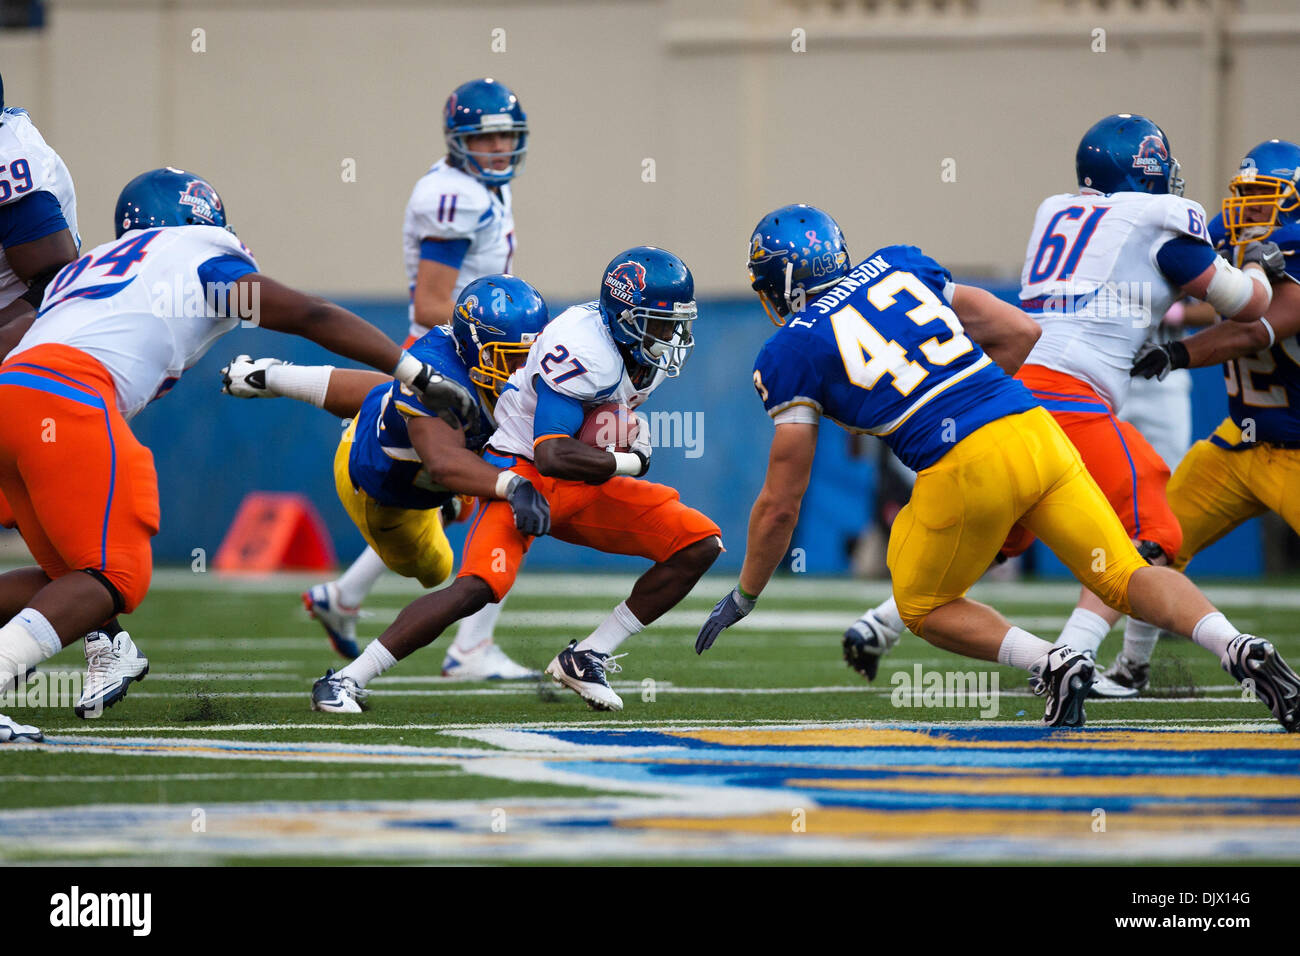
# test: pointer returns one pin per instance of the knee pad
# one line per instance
(119, 599)
(1153, 553)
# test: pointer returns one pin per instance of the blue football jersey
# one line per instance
(383, 463)
(882, 352)
(1264, 388)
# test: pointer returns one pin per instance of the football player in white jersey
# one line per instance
(1102, 266)
(116, 329)
(618, 349)
(38, 237)
(459, 227)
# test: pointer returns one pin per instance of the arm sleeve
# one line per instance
(557, 416)
(33, 217)
(450, 252)
(1182, 259)
(785, 378)
(218, 274)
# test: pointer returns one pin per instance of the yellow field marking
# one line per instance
(943, 823)
(1055, 785)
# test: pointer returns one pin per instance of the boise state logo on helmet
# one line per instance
(1151, 156)
(626, 282)
(202, 200)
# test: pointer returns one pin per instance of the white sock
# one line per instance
(356, 582)
(888, 615)
(476, 630)
(1020, 649)
(374, 660)
(1084, 631)
(613, 631)
(1214, 633)
(307, 383)
(25, 641)
(1140, 640)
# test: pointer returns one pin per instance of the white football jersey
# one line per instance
(28, 165)
(450, 204)
(1092, 282)
(576, 356)
(139, 306)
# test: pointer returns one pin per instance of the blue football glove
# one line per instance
(725, 613)
(531, 510)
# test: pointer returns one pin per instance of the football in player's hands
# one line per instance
(611, 427)
(246, 378)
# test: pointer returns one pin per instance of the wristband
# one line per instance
(306, 383)
(407, 368)
(628, 463)
(1272, 336)
(745, 594)
(1178, 355)
(506, 481)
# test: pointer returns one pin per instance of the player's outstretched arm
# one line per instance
(1242, 295)
(1004, 332)
(283, 309)
(340, 391)
(443, 453)
(771, 525)
(1225, 341)
(776, 509)
(36, 263)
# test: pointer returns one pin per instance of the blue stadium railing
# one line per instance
(211, 450)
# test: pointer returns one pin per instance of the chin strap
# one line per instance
(789, 281)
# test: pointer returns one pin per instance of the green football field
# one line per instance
(768, 748)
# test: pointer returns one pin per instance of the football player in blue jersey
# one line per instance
(399, 462)
(883, 348)
(1252, 460)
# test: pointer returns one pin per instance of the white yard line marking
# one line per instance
(617, 586)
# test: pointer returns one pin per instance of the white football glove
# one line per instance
(641, 446)
(245, 377)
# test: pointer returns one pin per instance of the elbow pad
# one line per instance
(36, 291)
(1231, 288)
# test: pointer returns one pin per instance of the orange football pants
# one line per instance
(80, 485)
(620, 516)
(1128, 470)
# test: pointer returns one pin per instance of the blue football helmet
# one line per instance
(484, 106)
(795, 252)
(168, 197)
(647, 299)
(495, 322)
(1127, 153)
(1264, 192)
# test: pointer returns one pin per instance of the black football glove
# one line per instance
(446, 398)
(532, 513)
(1269, 256)
(1157, 361)
(725, 613)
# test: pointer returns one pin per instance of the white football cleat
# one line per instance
(340, 623)
(1064, 676)
(338, 695)
(111, 664)
(485, 662)
(12, 732)
(583, 672)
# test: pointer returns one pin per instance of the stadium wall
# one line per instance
(273, 100)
